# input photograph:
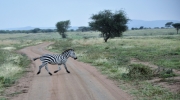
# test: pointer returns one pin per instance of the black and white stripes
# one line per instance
(56, 59)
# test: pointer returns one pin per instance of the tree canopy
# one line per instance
(62, 27)
(177, 26)
(168, 24)
(109, 24)
(36, 30)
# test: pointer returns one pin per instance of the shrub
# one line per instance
(6, 81)
(166, 73)
(139, 71)
(24, 61)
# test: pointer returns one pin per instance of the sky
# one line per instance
(46, 13)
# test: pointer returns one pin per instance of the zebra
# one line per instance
(56, 59)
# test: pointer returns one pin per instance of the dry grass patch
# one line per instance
(9, 70)
(8, 42)
(9, 48)
(86, 42)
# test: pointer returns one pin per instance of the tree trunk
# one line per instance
(64, 35)
(106, 37)
(177, 30)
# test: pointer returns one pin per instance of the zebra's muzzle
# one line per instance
(75, 58)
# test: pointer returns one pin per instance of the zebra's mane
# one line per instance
(67, 51)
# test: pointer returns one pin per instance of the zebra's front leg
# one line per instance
(40, 68)
(48, 70)
(66, 68)
(58, 69)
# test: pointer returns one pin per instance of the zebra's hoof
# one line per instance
(68, 71)
(55, 71)
(38, 73)
(50, 74)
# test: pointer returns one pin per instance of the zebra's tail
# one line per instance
(36, 58)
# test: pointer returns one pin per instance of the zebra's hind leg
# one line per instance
(47, 70)
(66, 68)
(40, 68)
(58, 69)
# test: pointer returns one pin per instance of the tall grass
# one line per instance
(12, 67)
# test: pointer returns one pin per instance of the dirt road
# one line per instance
(83, 83)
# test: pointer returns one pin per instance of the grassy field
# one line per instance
(12, 67)
(156, 46)
(12, 64)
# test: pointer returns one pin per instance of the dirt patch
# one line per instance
(172, 83)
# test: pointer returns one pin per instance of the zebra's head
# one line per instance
(72, 54)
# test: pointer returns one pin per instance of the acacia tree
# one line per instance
(168, 24)
(177, 26)
(62, 27)
(109, 24)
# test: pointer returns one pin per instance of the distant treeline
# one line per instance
(135, 28)
(36, 30)
(167, 25)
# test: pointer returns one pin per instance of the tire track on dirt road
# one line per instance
(83, 83)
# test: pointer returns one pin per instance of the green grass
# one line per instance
(3, 98)
(157, 46)
(12, 65)
(47, 36)
(113, 58)
(150, 32)
(161, 52)
(148, 91)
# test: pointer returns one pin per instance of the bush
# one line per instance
(6, 81)
(24, 61)
(139, 71)
(167, 73)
